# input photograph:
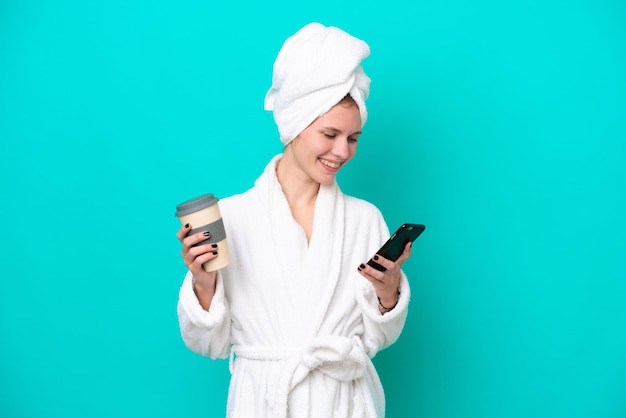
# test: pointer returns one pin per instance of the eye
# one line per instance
(353, 140)
(329, 135)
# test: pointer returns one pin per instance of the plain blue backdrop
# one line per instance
(499, 125)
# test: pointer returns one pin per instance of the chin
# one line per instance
(327, 180)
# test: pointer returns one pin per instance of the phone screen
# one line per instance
(394, 246)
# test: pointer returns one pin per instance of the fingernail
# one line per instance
(375, 257)
(214, 252)
(362, 266)
(187, 225)
(207, 234)
(214, 245)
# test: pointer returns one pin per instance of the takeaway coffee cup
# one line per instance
(203, 214)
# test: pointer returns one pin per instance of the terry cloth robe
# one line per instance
(299, 322)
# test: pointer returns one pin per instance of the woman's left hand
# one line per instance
(386, 283)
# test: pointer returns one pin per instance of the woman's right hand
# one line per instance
(195, 257)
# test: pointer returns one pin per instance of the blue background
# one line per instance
(499, 125)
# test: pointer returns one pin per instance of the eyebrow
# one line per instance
(335, 130)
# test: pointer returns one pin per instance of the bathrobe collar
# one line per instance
(322, 265)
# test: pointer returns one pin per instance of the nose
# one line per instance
(342, 148)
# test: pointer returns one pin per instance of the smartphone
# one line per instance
(394, 246)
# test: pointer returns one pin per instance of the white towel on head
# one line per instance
(314, 70)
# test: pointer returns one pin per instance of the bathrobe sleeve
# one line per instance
(380, 331)
(204, 332)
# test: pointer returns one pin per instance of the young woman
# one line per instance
(298, 310)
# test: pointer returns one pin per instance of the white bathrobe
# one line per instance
(298, 321)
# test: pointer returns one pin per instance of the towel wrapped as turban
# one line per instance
(316, 68)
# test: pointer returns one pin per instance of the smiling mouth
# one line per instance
(330, 164)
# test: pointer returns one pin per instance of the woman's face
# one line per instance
(327, 143)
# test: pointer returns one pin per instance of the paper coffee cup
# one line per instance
(203, 214)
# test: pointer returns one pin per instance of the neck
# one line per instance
(299, 190)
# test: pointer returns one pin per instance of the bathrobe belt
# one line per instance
(341, 358)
